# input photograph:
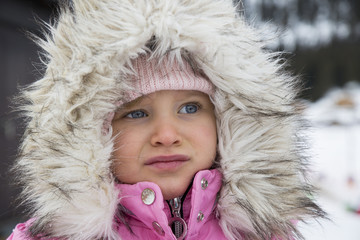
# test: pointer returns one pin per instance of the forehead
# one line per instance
(173, 94)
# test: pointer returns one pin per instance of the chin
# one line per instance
(173, 191)
(172, 194)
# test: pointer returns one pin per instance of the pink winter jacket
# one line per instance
(150, 220)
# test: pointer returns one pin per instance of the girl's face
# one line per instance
(164, 137)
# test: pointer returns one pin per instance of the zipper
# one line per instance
(177, 223)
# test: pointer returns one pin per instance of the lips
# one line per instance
(167, 161)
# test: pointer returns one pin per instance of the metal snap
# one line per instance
(158, 229)
(200, 216)
(148, 196)
(204, 183)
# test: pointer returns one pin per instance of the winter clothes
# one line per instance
(65, 157)
(150, 220)
(161, 74)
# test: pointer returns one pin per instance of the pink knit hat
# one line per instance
(154, 75)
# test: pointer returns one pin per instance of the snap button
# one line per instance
(158, 229)
(204, 183)
(200, 216)
(148, 196)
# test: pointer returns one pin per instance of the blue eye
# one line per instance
(136, 114)
(189, 108)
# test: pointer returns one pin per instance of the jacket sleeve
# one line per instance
(20, 232)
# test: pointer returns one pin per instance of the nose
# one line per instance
(166, 133)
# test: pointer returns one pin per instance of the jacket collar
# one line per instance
(144, 202)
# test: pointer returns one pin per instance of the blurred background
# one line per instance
(321, 40)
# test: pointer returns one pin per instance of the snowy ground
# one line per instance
(335, 145)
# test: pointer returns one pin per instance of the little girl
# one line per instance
(160, 119)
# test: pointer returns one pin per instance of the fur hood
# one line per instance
(64, 160)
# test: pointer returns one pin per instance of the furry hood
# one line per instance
(64, 160)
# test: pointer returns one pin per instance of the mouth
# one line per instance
(167, 162)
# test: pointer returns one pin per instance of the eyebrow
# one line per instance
(190, 93)
(131, 104)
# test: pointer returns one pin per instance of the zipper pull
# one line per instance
(175, 204)
(177, 224)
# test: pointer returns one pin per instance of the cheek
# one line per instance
(126, 144)
(207, 138)
(124, 137)
(124, 164)
(208, 130)
(124, 156)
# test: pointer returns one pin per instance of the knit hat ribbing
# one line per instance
(155, 75)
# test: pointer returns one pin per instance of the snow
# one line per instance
(335, 145)
(342, 226)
